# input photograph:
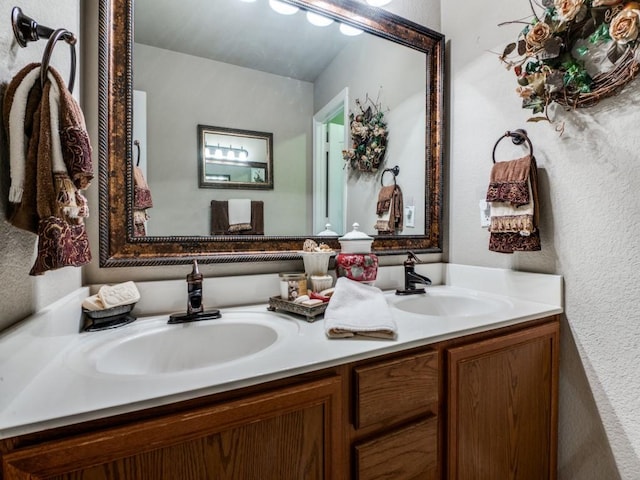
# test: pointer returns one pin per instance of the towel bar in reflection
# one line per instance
(395, 171)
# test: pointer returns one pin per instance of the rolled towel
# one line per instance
(358, 309)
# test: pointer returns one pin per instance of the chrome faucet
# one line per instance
(195, 309)
(411, 278)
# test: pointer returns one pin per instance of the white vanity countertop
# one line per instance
(43, 386)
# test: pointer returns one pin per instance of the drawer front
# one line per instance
(405, 454)
(393, 390)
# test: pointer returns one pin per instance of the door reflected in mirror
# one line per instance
(238, 159)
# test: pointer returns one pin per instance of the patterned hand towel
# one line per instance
(357, 309)
(62, 240)
(390, 210)
(74, 139)
(513, 193)
(141, 202)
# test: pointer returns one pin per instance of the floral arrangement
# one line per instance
(369, 137)
(574, 53)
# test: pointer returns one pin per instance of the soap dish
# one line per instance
(310, 313)
(95, 320)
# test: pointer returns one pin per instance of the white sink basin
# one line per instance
(449, 304)
(155, 348)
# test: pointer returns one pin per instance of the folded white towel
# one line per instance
(358, 309)
(239, 211)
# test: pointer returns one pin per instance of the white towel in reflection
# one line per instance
(358, 309)
(240, 211)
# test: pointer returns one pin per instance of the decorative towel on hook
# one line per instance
(50, 161)
(390, 210)
(239, 214)
(141, 200)
(513, 194)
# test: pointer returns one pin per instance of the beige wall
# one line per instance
(21, 294)
(221, 95)
(589, 201)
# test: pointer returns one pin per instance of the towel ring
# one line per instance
(61, 33)
(518, 137)
(395, 171)
(137, 144)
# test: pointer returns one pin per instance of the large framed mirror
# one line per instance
(164, 70)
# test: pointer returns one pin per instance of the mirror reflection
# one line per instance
(187, 71)
(248, 68)
(235, 159)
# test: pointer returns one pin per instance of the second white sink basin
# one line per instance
(157, 348)
(449, 304)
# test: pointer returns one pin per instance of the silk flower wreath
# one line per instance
(575, 53)
(368, 137)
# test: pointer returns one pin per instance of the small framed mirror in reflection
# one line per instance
(239, 159)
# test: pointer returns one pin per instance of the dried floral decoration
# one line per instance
(574, 53)
(369, 137)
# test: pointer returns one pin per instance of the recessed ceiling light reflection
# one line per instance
(248, 1)
(349, 30)
(283, 8)
(375, 3)
(318, 20)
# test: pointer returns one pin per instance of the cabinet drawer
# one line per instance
(405, 454)
(396, 389)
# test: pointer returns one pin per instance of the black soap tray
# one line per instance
(108, 318)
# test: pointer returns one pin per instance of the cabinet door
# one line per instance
(502, 409)
(408, 453)
(292, 433)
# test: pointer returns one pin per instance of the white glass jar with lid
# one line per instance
(356, 261)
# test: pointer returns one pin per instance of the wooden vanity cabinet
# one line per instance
(292, 433)
(482, 406)
(502, 404)
(394, 417)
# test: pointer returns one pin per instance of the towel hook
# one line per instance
(395, 171)
(26, 29)
(137, 144)
(518, 137)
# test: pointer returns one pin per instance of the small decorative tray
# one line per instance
(108, 318)
(310, 313)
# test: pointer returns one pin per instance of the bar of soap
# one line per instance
(120, 294)
(93, 303)
(328, 292)
(312, 302)
(301, 299)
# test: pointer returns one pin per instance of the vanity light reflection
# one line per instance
(226, 153)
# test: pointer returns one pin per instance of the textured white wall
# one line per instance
(20, 294)
(589, 183)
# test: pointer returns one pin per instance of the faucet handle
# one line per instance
(412, 258)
